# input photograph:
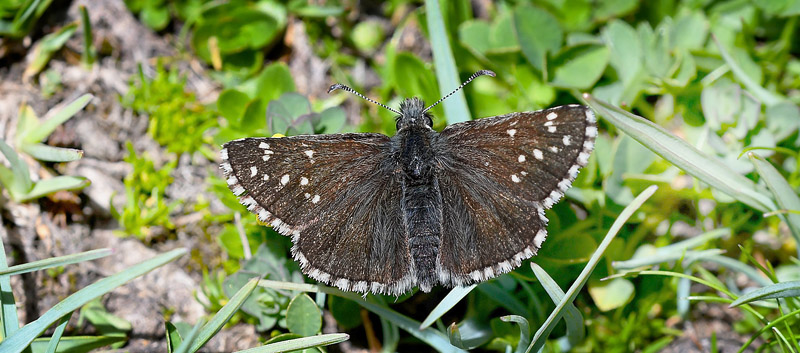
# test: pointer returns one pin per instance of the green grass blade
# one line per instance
(524, 331)
(655, 259)
(61, 182)
(784, 194)
(541, 335)
(77, 343)
(772, 291)
(22, 338)
(48, 126)
(186, 343)
(740, 267)
(56, 337)
(449, 301)
(576, 331)
(455, 107)
(300, 343)
(51, 154)
(767, 97)
(21, 182)
(683, 155)
(55, 261)
(768, 327)
(432, 337)
(223, 315)
(8, 304)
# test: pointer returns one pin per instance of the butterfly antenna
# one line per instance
(474, 76)
(348, 89)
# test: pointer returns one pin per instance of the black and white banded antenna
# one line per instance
(348, 89)
(474, 76)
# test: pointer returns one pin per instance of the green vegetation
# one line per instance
(689, 201)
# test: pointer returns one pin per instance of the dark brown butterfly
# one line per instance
(372, 213)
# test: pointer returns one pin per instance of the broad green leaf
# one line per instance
(154, 16)
(190, 337)
(573, 318)
(223, 315)
(538, 33)
(22, 338)
(501, 34)
(474, 35)
(49, 186)
(272, 82)
(579, 66)
(50, 124)
(346, 312)
(303, 317)
(683, 155)
(784, 194)
(783, 119)
(331, 120)
(626, 50)
(415, 79)
(55, 262)
(300, 343)
(689, 31)
(47, 153)
(612, 294)
(455, 107)
(773, 291)
(544, 331)
(232, 104)
(450, 300)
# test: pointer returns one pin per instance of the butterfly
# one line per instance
(371, 213)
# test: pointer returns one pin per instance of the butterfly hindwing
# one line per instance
(497, 178)
(336, 196)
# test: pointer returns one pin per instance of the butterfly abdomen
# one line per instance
(422, 205)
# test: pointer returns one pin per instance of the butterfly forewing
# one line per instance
(497, 178)
(336, 196)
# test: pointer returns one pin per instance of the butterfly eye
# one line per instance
(429, 120)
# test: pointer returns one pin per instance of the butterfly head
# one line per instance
(413, 113)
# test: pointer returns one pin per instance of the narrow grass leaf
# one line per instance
(56, 261)
(20, 183)
(455, 107)
(657, 258)
(50, 124)
(46, 47)
(524, 331)
(22, 338)
(683, 155)
(503, 297)
(223, 315)
(449, 301)
(740, 267)
(51, 154)
(56, 337)
(432, 337)
(572, 316)
(173, 336)
(77, 343)
(61, 182)
(765, 96)
(541, 335)
(300, 343)
(184, 344)
(8, 305)
(784, 194)
(772, 291)
(767, 327)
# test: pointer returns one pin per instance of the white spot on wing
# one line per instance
(511, 132)
(307, 195)
(253, 171)
(552, 116)
(515, 178)
(591, 131)
(551, 129)
(263, 145)
(310, 154)
(566, 140)
(266, 177)
(590, 116)
(554, 149)
(521, 158)
(285, 179)
(303, 181)
(538, 154)
(315, 199)
(265, 157)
